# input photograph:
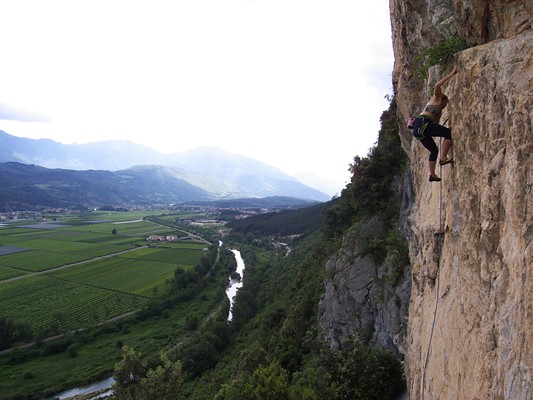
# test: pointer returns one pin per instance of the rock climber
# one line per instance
(426, 127)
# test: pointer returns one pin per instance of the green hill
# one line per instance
(31, 187)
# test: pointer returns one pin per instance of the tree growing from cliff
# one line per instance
(370, 191)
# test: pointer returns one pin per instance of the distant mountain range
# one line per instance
(120, 172)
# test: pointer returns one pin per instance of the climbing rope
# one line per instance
(439, 251)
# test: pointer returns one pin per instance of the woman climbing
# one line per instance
(426, 127)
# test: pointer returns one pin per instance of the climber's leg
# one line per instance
(435, 130)
(430, 144)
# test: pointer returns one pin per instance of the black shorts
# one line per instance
(424, 130)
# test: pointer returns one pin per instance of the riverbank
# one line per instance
(98, 390)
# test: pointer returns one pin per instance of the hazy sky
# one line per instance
(297, 84)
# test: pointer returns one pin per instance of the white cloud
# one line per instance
(298, 84)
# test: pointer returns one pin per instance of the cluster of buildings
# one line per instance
(161, 238)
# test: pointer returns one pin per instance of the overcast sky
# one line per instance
(296, 84)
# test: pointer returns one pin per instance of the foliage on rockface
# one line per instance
(440, 54)
(370, 191)
(370, 198)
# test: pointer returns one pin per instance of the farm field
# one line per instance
(97, 358)
(81, 271)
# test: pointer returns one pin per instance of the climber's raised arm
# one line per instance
(438, 85)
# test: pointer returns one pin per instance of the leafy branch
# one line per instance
(439, 54)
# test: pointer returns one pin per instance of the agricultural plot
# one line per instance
(15, 235)
(43, 301)
(123, 229)
(60, 246)
(124, 240)
(92, 276)
(183, 245)
(67, 253)
(67, 246)
(42, 225)
(93, 237)
(4, 250)
(7, 272)
(39, 260)
(137, 277)
(182, 256)
(76, 236)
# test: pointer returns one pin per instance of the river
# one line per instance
(234, 286)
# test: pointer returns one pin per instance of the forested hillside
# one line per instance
(30, 187)
(283, 223)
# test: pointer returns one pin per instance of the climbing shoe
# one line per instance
(448, 160)
(434, 179)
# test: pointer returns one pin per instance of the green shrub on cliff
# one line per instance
(439, 54)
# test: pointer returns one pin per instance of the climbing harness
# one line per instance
(439, 251)
(419, 133)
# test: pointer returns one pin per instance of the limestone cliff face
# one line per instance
(482, 341)
(362, 296)
(358, 300)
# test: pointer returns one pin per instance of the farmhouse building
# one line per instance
(155, 238)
